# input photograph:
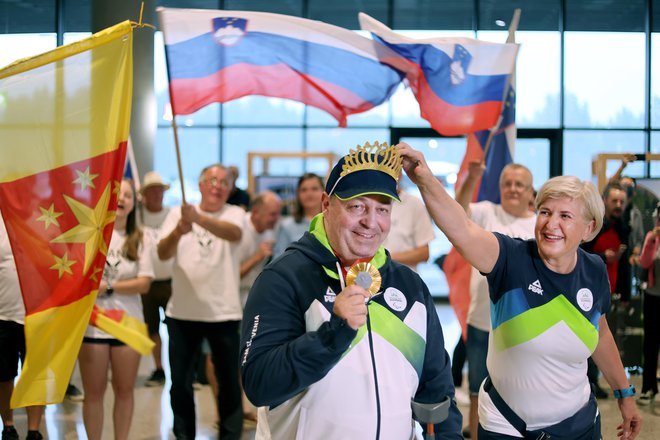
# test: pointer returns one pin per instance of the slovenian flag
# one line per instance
(218, 56)
(460, 83)
(496, 148)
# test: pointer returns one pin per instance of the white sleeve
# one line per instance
(234, 215)
(169, 223)
(145, 255)
(423, 230)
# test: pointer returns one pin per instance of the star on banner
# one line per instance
(63, 264)
(85, 179)
(49, 216)
(89, 230)
(94, 274)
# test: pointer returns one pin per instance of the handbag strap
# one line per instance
(506, 411)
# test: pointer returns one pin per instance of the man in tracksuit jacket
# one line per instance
(324, 360)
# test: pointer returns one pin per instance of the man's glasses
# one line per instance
(513, 184)
(215, 182)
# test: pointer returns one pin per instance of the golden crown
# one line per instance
(366, 158)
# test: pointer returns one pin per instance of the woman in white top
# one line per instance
(127, 275)
(308, 204)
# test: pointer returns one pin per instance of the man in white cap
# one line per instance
(338, 339)
(152, 215)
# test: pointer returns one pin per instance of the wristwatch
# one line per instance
(626, 392)
(109, 290)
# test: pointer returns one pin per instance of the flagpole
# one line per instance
(174, 126)
(178, 154)
(511, 38)
(132, 164)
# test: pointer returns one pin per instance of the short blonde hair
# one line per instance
(573, 188)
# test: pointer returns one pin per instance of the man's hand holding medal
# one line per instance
(362, 282)
(351, 306)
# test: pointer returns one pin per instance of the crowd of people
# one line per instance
(315, 324)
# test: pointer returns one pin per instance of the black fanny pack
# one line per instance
(583, 425)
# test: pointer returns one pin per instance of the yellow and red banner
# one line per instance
(131, 331)
(64, 124)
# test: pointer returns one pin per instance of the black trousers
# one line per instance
(185, 345)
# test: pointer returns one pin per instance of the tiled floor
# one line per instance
(153, 417)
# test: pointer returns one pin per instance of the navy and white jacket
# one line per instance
(315, 377)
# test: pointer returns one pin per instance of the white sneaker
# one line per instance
(646, 398)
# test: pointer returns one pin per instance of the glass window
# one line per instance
(199, 148)
(15, 47)
(338, 141)
(193, 4)
(345, 13)
(536, 15)
(582, 146)
(535, 155)
(537, 80)
(377, 116)
(405, 109)
(611, 15)
(655, 16)
(432, 14)
(655, 148)
(655, 80)
(238, 142)
(72, 37)
(78, 15)
(604, 79)
(289, 7)
(259, 110)
(21, 17)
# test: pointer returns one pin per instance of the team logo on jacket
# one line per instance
(395, 299)
(536, 287)
(585, 299)
(228, 31)
(330, 296)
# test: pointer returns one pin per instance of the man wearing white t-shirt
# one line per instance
(411, 230)
(152, 214)
(258, 238)
(513, 218)
(205, 301)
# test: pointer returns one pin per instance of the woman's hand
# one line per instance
(414, 164)
(632, 421)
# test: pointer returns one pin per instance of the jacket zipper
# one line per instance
(373, 364)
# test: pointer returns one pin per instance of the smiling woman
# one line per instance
(547, 296)
(569, 212)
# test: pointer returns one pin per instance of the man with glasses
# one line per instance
(513, 218)
(205, 301)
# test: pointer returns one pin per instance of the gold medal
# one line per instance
(364, 275)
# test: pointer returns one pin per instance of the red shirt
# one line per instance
(609, 240)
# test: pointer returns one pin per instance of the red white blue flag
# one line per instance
(460, 83)
(218, 56)
(496, 154)
(496, 148)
